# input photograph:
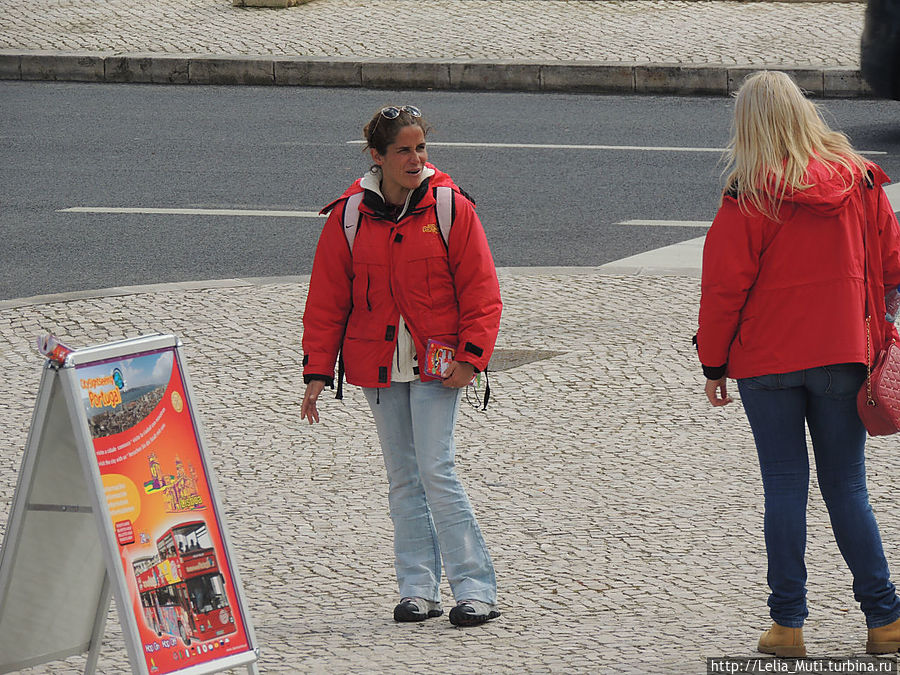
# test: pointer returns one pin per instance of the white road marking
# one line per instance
(667, 223)
(553, 146)
(684, 258)
(193, 212)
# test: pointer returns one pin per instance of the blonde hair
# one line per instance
(776, 131)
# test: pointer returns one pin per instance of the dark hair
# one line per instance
(380, 131)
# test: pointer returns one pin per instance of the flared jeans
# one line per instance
(433, 519)
(779, 407)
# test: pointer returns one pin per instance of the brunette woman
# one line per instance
(410, 280)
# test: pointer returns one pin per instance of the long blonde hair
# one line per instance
(776, 131)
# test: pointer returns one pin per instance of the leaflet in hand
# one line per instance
(438, 357)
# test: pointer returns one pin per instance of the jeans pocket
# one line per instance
(762, 382)
(843, 380)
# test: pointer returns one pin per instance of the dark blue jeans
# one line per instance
(779, 407)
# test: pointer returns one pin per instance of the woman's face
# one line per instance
(402, 163)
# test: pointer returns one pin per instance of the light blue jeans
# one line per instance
(433, 519)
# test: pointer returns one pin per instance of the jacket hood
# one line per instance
(827, 192)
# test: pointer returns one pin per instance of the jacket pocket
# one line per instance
(429, 283)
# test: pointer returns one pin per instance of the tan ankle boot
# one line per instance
(884, 640)
(782, 641)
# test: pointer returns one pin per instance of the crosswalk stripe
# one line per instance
(192, 212)
(566, 146)
(667, 223)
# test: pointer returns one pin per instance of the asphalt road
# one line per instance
(268, 148)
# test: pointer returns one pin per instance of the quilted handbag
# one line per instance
(878, 401)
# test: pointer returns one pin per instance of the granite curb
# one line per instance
(383, 73)
(665, 262)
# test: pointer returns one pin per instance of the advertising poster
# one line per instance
(163, 516)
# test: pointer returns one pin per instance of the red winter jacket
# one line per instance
(784, 296)
(446, 292)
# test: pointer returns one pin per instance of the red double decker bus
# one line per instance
(182, 590)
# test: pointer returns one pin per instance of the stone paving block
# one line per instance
(845, 82)
(597, 76)
(414, 73)
(231, 70)
(10, 64)
(127, 69)
(495, 75)
(274, 4)
(66, 66)
(318, 71)
(672, 79)
(153, 68)
(810, 80)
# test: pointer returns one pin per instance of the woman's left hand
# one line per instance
(459, 374)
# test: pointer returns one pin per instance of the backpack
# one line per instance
(443, 195)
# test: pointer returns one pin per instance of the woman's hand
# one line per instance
(459, 374)
(717, 393)
(308, 410)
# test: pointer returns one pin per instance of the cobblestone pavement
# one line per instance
(624, 514)
(801, 34)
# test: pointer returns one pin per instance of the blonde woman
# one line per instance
(782, 312)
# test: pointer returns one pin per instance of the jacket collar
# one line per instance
(373, 198)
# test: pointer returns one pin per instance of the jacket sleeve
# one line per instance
(889, 245)
(731, 256)
(477, 288)
(889, 235)
(328, 301)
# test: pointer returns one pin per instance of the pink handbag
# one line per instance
(878, 401)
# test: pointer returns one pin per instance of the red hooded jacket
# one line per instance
(446, 292)
(784, 296)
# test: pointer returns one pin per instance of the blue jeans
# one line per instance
(825, 399)
(432, 516)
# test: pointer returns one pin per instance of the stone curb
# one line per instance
(453, 74)
(613, 269)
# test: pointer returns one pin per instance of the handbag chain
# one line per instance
(869, 400)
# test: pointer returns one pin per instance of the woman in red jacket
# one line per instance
(782, 312)
(384, 285)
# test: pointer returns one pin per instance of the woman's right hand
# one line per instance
(717, 392)
(308, 410)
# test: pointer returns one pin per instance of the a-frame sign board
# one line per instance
(116, 498)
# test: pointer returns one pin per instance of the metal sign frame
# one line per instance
(57, 504)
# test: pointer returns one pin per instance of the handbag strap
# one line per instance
(869, 182)
(869, 400)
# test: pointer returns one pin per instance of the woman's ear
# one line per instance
(375, 156)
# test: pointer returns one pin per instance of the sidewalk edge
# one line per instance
(443, 74)
(611, 269)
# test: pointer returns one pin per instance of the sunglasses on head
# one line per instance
(392, 112)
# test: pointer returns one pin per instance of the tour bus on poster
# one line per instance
(181, 588)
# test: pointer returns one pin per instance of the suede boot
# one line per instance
(782, 641)
(885, 639)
